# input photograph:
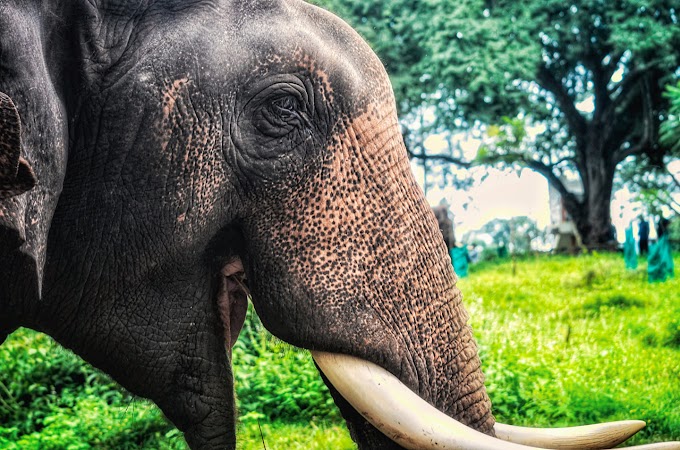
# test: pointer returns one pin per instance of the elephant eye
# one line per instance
(279, 109)
(287, 104)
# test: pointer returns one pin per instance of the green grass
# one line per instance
(564, 341)
(294, 436)
(573, 340)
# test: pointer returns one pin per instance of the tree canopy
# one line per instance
(657, 187)
(564, 86)
(516, 233)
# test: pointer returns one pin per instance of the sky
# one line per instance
(502, 195)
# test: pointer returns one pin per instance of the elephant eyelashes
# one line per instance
(286, 105)
(280, 116)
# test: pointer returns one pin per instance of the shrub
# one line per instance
(613, 302)
(672, 338)
(275, 381)
(51, 399)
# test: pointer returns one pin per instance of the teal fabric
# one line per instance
(460, 259)
(629, 254)
(502, 251)
(660, 261)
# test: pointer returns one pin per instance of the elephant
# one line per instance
(445, 224)
(162, 160)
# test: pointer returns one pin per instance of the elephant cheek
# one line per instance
(232, 301)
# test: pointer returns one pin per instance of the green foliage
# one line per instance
(50, 399)
(474, 55)
(275, 381)
(653, 184)
(670, 128)
(541, 77)
(666, 335)
(299, 436)
(602, 304)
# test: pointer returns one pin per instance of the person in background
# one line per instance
(643, 235)
(660, 260)
(662, 227)
(441, 212)
(461, 260)
(629, 255)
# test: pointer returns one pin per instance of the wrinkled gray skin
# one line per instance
(170, 139)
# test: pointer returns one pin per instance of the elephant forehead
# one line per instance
(300, 37)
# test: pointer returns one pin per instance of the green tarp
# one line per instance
(460, 259)
(629, 254)
(660, 261)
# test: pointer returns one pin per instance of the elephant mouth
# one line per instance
(404, 417)
(232, 300)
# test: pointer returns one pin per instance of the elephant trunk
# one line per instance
(410, 285)
(427, 391)
(357, 265)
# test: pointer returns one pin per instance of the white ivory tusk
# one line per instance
(397, 411)
(404, 417)
(587, 437)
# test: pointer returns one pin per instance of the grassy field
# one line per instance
(567, 341)
(564, 341)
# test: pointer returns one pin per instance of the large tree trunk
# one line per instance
(592, 213)
(593, 221)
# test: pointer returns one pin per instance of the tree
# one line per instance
(516, 233)
(587, 76)
(658, 187)
(670, 128)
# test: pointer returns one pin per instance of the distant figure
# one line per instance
(629, 255)
(567, 239)
(643, 235)
(662, 227)
(445, 225)
(660, 261)
(461, 260)
(502, 250)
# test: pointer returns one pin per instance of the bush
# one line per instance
(51, 399)
(275, 381)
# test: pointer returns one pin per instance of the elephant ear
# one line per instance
(16, 175)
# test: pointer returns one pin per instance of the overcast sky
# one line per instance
(501, 195)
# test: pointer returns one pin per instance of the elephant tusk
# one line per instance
(404, 417)
(397, 411)
(587, 437)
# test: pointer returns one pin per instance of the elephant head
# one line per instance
(181, 147)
